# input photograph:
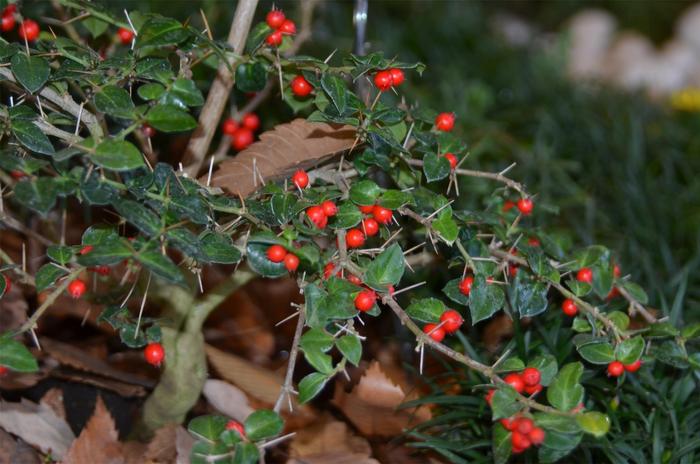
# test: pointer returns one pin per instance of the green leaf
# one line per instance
(155, 68)
(594, 422)
(115, 101)
(246, 453)
(259, 262)
(351, 347)
(151, 91)
(316, 339)
(529, 298)
(320, 361)
(365, 192)
(348, 216)
(565, 392)
(219, 248)
(539, 264)
(394, 199)
(138, 215)
(504, 403)
(620, 319)
(187, 92)
(16, 356)
(159, 31)
(451, 289)
(630, 350)
(283, 207)
(445, 226)
(256, 37)
(29, 135)
(510, 365)
(547, 365)
(38, 195)
(117, 155)
(426, 309)
(435, 167)
(170, 118)
(263, 424)
(689, 332)
(207, 427)
(589, 256)
(311, 385)
(636, 292)
(556, 422)
(557, 445)
(335, 89)
(111, 252)
(47, 275)
(666, 329)
(96, 27)
(501, 444)
(98, 234)
(251, 77)
(31, 71)
(484, 299)
(597, 353)
(580, 289)
(386, 269)
(60, 253)
(161, 266)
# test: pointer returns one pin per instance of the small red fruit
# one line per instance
(17, 174)
(507, 206)
(317, 216)
(8, 284)
(370, 226)
(533, 242)
(383, 80)
(633, 367)
(288, 27)
(397, 77)
(300, 179)
(512, 270)
(533, 390)
(154, 353)
(291, 262)
(329, 208)
(382, 215)
(366, 209)
(76, 288)
(434, 332)
(584, 275)
(445, 122)
(355, 238)
(525, 425)
(242, 138)
(237, 426)
(29, 30)
(615, 369)
(7, 23)
(531, 376)
(274, 39)
(276, 253)
(616, 271)
(102, 270)
(465, 286)
(148, 131)
(86, 249)
(451, 321)
(3, 371)
(489, 396)
(520, 441)
(328, 271)
(509, 423)
(515, 381)
(229, 127)
(353, 279)
(275, 18)
(364, 301)
(125, 35)
(9, 9)
(569, 307)
(525, 206)
(536, 436)
(452, 159)
(301, 87)
(251, 121)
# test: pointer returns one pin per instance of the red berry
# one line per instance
(76, 288)
(633, 367)
(614, 292)
(355, 238)
(515, 381)
(17, 174)
(436, 334)
(531, 376)
(489, 396)
(383, 80)
(275, 18)
(229, 127)
(148, 131)
(317, 216)
(102, 270)
(616, 271)
(451, 321)
(525, 205)
(3, 371)
(329, 208)
(251, 121)
(533, 242)
(8, 285)
(288, 27)
(382, 215)
(364, 301)
(276, 253)
(86, 249)
(615, 369)
(366, 209)
(125, 35)
(569, 307)
(234, 425)
(370, 226)
(536, 436)
(445, 121)
(154, 353)
(584, 275)
(525, 425)
(242, 138)
(465, 286)
(509, 423)
(353, 279)
(301, 87)
(291, 262)
(519, 441)
(533, 390)
(7, 23)
(397, 77)
(9, 9)
(300, 179)
(274, 39)
(515, 450)
(507, 206)
(328, 271)
(29, 30)
(512, 270)
(452, 159)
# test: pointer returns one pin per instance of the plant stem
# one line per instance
(294, 352)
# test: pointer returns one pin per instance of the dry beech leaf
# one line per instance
(13, 309)
(371, 405)
(296, 145)
(183, 444)
(227, 399)
(329, 442)
(53, 398)
(162, 446)
(98, 442)
(16, 451)
(38, 425)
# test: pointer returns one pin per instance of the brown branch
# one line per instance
(636, 306)
(481, 174)
(293, 353)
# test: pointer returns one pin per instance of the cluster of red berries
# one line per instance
(125, 35)
(524, 205)
(280, 25)
(524, 433)
(242, 135)
(445, 122)
(385, 80)
(329, 270)
(450, 322)
(527, 381)
(319, 214)
(154, 353)
(355, 238)
(301, 87)
(278, 254)
(616, 368)
(300, 179)
(28, 29)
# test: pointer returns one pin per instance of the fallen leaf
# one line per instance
(38, 425)
(371, 405)
(329, 442)
(53, 398)
(183, 444)
(16, 451)
(227, 399)
(98, 442)
(13, 309)
(123, 389)
(162, 447)
(279, 152)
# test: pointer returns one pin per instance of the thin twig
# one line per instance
(289, 377)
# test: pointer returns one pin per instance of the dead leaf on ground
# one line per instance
(371, 405)
(162, 447)
(279, 152)
(98, 442)
(13, 309)
(227, 399)
(53, 398)
(121, 388)
(183, 444)
(329, 442)
(16, 451)
(38, 425)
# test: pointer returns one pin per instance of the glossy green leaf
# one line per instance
(152, 91)
(207, 427)
(15, 356)
(348, 216)
(47, 275)
(117, 155)
(547, 365)
(219, 248)
(143, 218)
(170, 118)
(159, 31)
(31, 71)
(115, 101)
(38, 195)
(435, 167)
(335, 89)
(501, 444)
(311, 385)
(251, 77)
(258, 261)
(186, 91)
(504, 403)
(246, 453)
(529, 298)
(556, 422)
(161, 266)
(29, 135)
(630, 350)
(351, 347)
(594, 422)
(365, 192)
(60, 253)
(426, 309)
(386, 269)
(263, 424)
(597, 353)
(451, 289)
(565, 392)
(484, 299)
(109, 252)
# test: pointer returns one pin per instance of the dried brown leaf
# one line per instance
(183, 444)
(13, 309)
(162, 447)
(53, 398)
(296, 145)
(98, 442)
(329, 442)
(16, 451)
(227, 399)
